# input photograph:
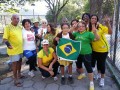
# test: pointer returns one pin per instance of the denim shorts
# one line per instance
(14, 58)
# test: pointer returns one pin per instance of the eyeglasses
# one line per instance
(44, 23)
(81, 26)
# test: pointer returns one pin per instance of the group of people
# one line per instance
(38, 45)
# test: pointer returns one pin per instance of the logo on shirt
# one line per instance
(30, 37)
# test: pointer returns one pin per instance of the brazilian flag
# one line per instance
(68, 49)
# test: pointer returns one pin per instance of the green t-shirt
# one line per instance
(86, 38)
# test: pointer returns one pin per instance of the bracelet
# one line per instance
(7, 43)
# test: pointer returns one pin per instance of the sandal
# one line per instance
(22, 77)
(18, 84)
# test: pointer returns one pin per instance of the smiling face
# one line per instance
(44, 24)
(65, 29)
(27, 26)
(81, 27)
(36, 24)
(45, 47)
(86, 18)
(48, 28)
(15, 20)
(74, 24)
(93, 20)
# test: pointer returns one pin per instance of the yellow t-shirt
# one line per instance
(14, 35)
(46, 59)
(102, 44)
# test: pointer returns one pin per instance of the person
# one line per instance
(44, 27)
(42, 31)
(65, 34)
(100, 48)
(85, 54)
(13, 39)
(47, 61)
(36, 28)
(86, 19)
(37, 31)
(50, 35)
(29, 46)
(74, 23)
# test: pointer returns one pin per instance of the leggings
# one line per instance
(46, 73)
(86, 59)
(31, 62)
(100, 58)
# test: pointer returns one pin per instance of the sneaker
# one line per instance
(31, 73)
(98, 76)
(102, 82)
(55, 78)
(70, 79)
(43, 77)
(63, 80)
(91, 87)
(81, 76)
(35, 69)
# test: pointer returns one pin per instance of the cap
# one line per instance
(35, 20)
(45, 41)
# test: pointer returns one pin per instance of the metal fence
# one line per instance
(6, 19)
(114, 55)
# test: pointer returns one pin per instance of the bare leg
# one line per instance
(81, 70)
(19, 63)
(90, 76)
(62, 70)
(70, 69)
(102, 75)
(14, 68)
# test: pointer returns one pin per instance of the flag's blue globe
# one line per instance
(68, 48)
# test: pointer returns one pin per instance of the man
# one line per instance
(13, 39)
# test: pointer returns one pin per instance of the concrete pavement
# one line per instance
(36, 83)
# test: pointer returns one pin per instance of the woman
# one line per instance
(41, 32)
(50, 35)
(29, 46)
(86, 18)
(100, 48)
(74, 23)
(47, 61)
(85, 54)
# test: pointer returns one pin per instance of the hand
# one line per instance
(10, 47)
(57, 38)
(94, 28)
(32, 29)
(50, 67)
(74, 25)
(51, 73)
(106, 19)
(41, 32)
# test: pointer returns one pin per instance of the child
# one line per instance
(65, 34)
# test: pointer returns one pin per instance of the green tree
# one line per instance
(100, 7)
(12, 5)
(55, 7)
(72, 10)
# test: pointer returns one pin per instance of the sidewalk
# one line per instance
(36, 83)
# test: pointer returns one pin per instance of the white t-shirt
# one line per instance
(66, 36)
(28, 40)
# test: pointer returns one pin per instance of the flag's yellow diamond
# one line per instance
(67, 49)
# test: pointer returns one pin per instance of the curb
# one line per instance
(114, 73)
